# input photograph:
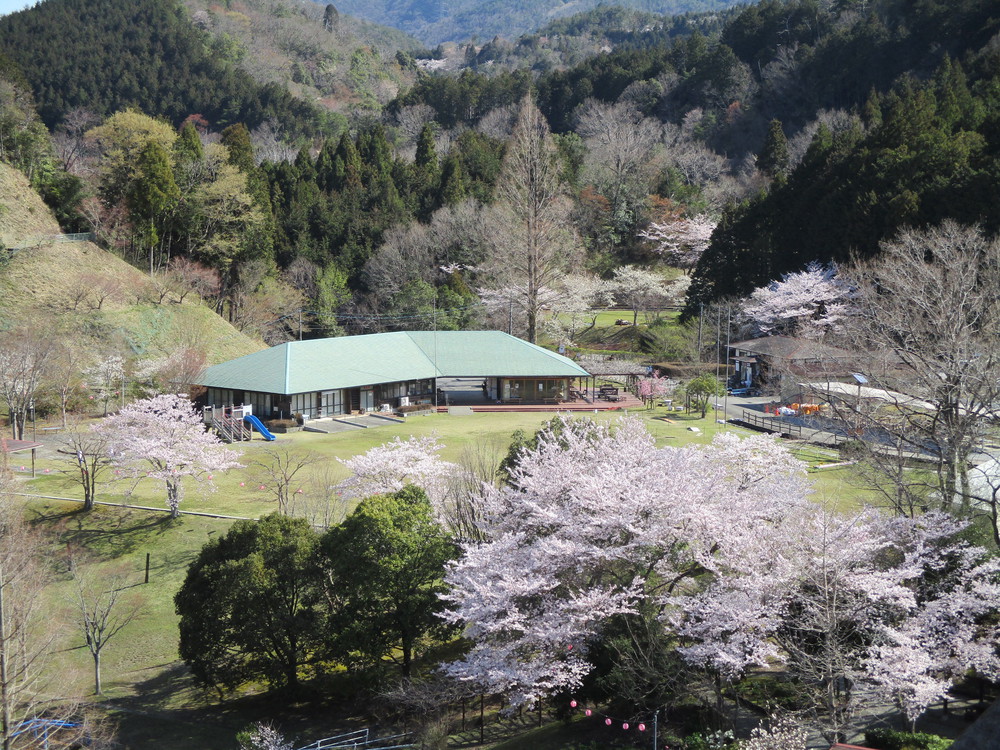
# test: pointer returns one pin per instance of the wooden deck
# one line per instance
(627, 401)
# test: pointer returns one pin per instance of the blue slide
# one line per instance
(251, 420)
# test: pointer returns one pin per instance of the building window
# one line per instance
(534, 389)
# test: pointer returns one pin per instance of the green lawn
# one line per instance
(237, 494)
(144, 680)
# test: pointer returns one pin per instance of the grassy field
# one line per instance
(146, 686)
(237, 493)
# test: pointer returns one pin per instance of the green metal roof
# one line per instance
(352, 361)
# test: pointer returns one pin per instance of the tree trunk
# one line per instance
(5, 696)
(97, 673)
(174, 497)
(407, 656)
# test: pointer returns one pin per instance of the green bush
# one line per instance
(892, 739)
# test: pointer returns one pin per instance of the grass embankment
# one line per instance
(145, 683)
(91, 297)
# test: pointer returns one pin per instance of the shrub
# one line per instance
(892, 739)
(282, 423)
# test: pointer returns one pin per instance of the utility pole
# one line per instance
(701, 317)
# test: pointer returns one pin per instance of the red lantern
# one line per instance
(608, 722)
(642, 727)
(587, 712)
(625, 725)
(572, 704)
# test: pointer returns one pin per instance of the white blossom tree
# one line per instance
(391, 466)
(743, 569)
(164, 438)
(263, 737)
(575, 306)
(24, 356)
(856, 609)
(105, 378)
(638, 288)
(586, 516)
(782, 734)
(809, 303)
(681, 242)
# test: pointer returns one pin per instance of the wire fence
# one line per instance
(362, 738)
(50, 239)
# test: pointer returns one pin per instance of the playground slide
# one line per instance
(251, 420)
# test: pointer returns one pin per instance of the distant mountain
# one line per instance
(436, 21)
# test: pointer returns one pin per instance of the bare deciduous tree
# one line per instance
(87, 459)
(26, 632)
(281, 470)
(534, 243)
(928, 325)
(102, 613)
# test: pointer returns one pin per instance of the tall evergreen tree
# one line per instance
(773, 158)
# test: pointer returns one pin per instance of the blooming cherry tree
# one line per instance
(680, 241)
(654, 386)
(846, 605)
(106, 377)
(808, 303)
(586, 517)
(393, 465)
(723, 542)
(164, 438)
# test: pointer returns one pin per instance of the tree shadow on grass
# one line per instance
(169, 710)
(107, 533)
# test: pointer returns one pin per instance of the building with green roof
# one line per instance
(327, 377)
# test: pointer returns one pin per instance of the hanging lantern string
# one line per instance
(608, 720)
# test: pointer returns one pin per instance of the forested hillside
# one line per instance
(103, 56)
(341, 62)
(435, 21)
(792, 116)
(570, 41)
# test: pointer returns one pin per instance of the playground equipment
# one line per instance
(234, 424)
(256, 424)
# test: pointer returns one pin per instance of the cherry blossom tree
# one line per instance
(106, 377)
(654, 386)
(24, 357)
(391, 466)
(809, 303)
(857, 609)
(637, 288)
(576, 305)
(783, 734)
(164, 438)
(263, 737)
(722, 542)
(680, 242)
(587, 516)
